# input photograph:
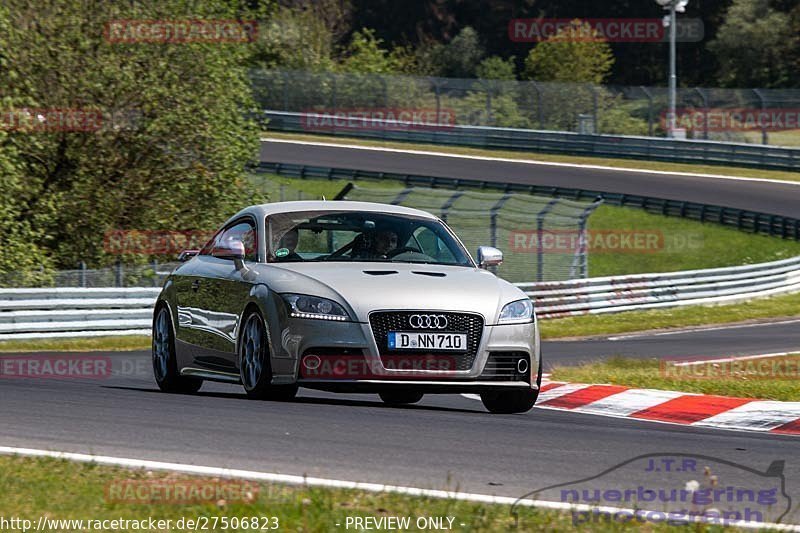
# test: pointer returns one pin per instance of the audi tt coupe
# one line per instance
(345, 296)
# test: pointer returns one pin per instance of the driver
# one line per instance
(385, 241)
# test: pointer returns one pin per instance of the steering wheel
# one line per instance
(398, 251)
(340, 252)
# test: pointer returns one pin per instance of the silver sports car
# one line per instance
(345, 296)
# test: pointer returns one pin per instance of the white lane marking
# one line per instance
(732, 358)
(530, 161)
(628, 402)
(755, 416)
(701, 329)
(354, 485)
(559, 391)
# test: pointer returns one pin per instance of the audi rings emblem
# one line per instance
(427, 321)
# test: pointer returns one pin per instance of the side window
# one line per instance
(206, 250)
(243, 231)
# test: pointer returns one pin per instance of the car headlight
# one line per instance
(303, 306)
(518, 311)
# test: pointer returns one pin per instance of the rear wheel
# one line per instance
(400, 397)
(254, 365)
(165, 366)
(513, 401)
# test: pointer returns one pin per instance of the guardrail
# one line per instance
(613, 294)
(751, 221)
(76, 312)
(555, 142)
(41, 313)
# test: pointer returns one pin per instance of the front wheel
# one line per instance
(254, 365)
(165, 366)
(400, 397)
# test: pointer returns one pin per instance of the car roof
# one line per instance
(332, 205)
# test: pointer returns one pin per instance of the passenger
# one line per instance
(287, 246)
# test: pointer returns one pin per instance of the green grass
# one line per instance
(112, 343)
(745, 382)
(584, 160)
(64, 490)
(681, 244)
(633, 321)
(777, 138)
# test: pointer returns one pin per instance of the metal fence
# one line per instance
(119, 275)
(765, 116)
(498, 219)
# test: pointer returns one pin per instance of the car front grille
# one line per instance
(502, 366)
(382, 322)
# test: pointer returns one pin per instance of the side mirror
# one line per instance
(230, 249)
(489, 256)
(187, 254)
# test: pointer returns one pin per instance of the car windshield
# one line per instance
(361, 236)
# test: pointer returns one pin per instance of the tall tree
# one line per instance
(167, 140)
(755, 46)
(575, 53)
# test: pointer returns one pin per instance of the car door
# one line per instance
(188, 280)
(221, 294)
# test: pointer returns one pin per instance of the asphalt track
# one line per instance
(710, 341)
(773, 198)
(355, 437)
(444, 442)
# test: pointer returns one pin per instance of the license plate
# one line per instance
(420, 340)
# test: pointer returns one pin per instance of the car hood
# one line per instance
(366, 287)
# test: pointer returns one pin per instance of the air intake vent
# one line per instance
(380, 272)
(432, 274)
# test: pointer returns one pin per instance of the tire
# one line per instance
(255, 370)
(165, 366)
(514, 401)
(400, 397)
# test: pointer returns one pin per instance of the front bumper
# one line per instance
(345, 357)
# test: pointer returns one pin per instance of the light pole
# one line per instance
(673, 6)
